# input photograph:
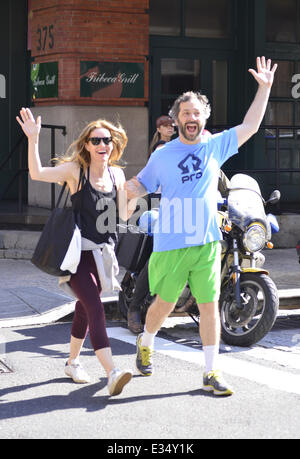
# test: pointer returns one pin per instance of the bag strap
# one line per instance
(81, 178)
(80, 185)
(112, 176)
(80, 182)
(61, 195)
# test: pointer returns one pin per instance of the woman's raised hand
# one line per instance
(30, 126)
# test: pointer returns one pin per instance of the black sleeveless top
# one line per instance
(97, 211)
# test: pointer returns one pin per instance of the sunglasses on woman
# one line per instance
(96, 140)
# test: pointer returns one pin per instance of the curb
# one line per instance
(289, 301)
(58, 313)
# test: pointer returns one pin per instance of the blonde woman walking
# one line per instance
(95, 183)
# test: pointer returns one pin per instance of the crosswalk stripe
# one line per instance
(287, 359)
(275, 379)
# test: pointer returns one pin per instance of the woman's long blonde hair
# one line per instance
(78, 153)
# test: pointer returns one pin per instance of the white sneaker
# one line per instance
(117, 380)
(76, 372)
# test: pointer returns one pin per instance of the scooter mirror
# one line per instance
(274, 198)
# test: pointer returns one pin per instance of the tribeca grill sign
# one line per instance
(103, 78)
(111, 79)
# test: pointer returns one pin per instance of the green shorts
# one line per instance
(199, 266)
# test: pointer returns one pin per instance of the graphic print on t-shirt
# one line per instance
(187, 213)
(190, 168)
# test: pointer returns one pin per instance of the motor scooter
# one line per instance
(249, 300)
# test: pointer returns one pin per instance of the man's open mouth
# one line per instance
(191, 128)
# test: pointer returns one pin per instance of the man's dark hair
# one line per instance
(187, 96)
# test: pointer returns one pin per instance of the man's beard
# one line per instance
(190, 136)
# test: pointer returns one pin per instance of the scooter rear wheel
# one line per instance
(125, 295)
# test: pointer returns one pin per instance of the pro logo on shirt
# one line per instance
(190, 168)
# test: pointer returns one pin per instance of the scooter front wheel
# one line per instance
(259, 305)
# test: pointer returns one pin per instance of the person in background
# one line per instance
(163, 134)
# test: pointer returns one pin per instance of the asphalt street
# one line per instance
(38, 401)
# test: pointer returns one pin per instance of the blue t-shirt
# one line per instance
(188, 178)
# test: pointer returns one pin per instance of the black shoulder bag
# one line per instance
(56, 237)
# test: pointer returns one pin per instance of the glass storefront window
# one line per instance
(220, 85)
(281, 17)
(165, 17)
(207, 18)
(279, 114)
(203, 18)
(179, 75)
(282, 86)
(166, 105)
(289, 149)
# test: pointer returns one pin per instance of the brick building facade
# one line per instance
(108, 35)
(128, 60)
(80, 30)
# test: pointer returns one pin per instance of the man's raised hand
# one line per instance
(264, 74)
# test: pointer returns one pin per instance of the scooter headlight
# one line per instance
(254, 238)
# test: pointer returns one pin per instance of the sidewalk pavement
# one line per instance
(30, 297)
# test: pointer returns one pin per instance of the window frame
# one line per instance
(206, 41)
(297, 27)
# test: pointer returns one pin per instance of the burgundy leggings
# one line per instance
(89, 311)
